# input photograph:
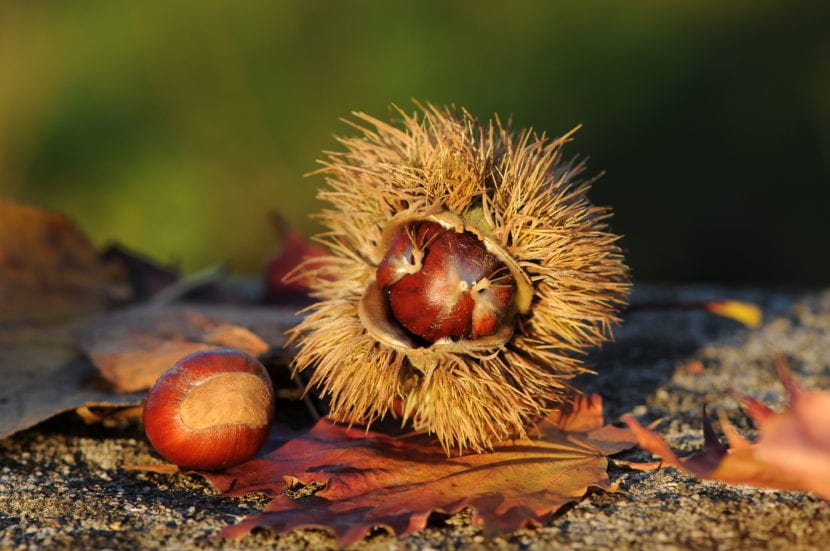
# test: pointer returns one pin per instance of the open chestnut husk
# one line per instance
(468, 276)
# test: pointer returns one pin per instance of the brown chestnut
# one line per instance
(444, 283)
(213, 409)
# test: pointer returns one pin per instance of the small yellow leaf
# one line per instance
(745, 312)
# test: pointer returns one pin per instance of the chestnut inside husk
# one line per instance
(442, 283)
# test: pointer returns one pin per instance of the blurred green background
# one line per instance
(174, 127)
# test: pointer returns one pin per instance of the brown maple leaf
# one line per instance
(374, 479)
(792, 451)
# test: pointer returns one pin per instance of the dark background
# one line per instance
(174, 128)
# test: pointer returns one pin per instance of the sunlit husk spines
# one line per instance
(529, 209)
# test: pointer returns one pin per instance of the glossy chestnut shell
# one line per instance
(442, 284)
(213, 409)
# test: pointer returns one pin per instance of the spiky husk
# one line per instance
(529, 201)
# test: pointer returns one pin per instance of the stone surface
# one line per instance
(63, 485)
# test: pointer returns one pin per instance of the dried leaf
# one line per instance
(160, 468)
(50, 278)
(132, 347)
(745, 312)
(792, 451)
(48, 268)
(110, 417)
(374, 479)
(43, 375)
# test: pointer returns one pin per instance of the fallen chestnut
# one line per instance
(211, 410)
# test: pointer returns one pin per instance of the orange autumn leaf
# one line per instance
(792, 451)
(374, 479)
